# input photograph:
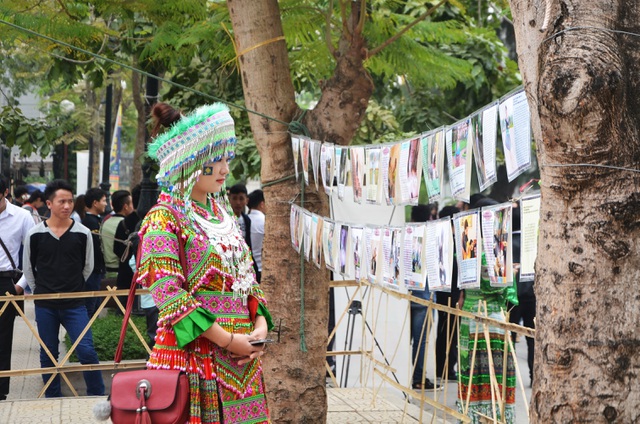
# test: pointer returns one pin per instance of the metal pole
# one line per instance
(90, 161)
(106, 156)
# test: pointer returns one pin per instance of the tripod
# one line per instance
(355, 308)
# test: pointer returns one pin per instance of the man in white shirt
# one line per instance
(238, 199)
(15, 223)
(257, 211)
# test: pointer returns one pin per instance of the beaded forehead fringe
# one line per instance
(206, 135)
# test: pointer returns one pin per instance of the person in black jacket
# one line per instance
(95, 203)
(58, 258)
(126, 230)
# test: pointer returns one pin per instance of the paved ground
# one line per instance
(346, 405)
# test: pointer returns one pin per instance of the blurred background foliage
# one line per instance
(442, 69)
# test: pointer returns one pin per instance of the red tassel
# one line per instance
(142, 414)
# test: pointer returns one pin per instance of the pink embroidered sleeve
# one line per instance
(160, 268)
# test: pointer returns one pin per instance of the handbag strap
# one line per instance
(132, 290)
(4, 247)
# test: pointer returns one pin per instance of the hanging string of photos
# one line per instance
(406, 257)
(391, 174)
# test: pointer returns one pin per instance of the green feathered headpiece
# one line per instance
(205, 135)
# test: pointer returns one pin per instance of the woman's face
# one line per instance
(213, 175)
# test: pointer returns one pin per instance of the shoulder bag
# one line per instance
(16, 274)
(149, 396)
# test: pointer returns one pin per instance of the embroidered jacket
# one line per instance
(187, 309)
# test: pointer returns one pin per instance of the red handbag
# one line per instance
(149, 396)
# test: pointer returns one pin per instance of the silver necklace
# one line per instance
(226, 239)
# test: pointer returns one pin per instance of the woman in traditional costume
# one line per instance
(476, 375)
(206, 320)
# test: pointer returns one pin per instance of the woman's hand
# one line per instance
(260, 329)
(241, 348)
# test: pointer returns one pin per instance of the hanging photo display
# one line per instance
(391, 174)
(337, 161)
(329, 244)
(439, 257)
(375, 261)
(344, 254)
(342, 170)
(460, 155)
(385, 155)
(295, 147)
(304, 152)
(306, 235)
(496, 240)
(315, 160)
(483, 136)
(294, 223)
(433, 152)
(372, 178)
(357, 246)
(391, 249)
(515, 127)
(357, 172)
(467, 231)
(316, 234)
(410, 172)
(530, 224)
(414, 256)
(327, 166)
(392, 192)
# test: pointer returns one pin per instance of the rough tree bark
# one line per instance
(295, 379)
(581, 79)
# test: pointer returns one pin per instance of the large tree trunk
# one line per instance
(582, 84)
(295, 375)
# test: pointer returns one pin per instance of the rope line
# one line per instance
(594, 165)
(303, 341)
(279, 180)
(615, 31)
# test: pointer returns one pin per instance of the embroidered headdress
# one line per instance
(205, 135)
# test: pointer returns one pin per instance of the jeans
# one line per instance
(418, 340)
(93, 284)
(527, 312)
(446, 331)
(74, 320)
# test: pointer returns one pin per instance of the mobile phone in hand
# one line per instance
(260, 342)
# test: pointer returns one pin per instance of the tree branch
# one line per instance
(135, 91)
(345, 27)
(419, 19)
(327, 32)
(10, 102)
(363, 15)
(65, 10)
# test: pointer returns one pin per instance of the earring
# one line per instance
(207, 170)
